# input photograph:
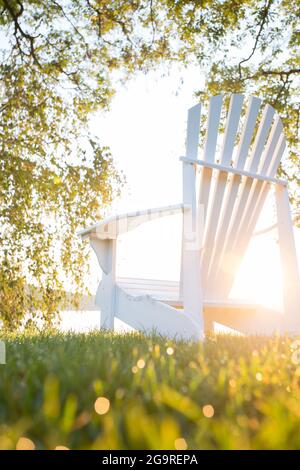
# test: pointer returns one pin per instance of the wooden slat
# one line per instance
(116, 225)
(281, 146)
(247, 320)
(213, 122)
(264, 188)
(168, 291)
(254, 160)
(193, 131)
(247, 134)
(232, 122)
(235, 171)
(252, 213)
(261, 136)
(272, 156)
(205, 185)
(232, 191)
(223, 230)
(276, 132)
(213, 223)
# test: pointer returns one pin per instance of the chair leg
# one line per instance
(192, 295)
(191, 285)
(288, 254)
(106, 293)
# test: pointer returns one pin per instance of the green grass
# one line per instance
(50, 383)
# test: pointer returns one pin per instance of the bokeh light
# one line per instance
(102, 405)
(208, 411)
(141, 363)
(180, 444)
(25, 444)
(259, 376)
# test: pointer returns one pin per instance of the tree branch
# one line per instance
(280, 72)
(261, 27)
(15, 17)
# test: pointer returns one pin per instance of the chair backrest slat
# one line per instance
(256, 186)
(240, 211)
(212, 222)
(233, 203)
(247, 134)
(209, 153)
(274, 136)
(232, 123)
(261, 136)
(258, 194)
(213, 122)
(278, 154)
(233, 187)
(193, 128)
(204, 191)
(281, 146)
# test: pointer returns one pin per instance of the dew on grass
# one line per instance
(208, 411)
(102, 405)
(180, 444)
(120, 392)
(259, 376)
(232, 383)
(25, 444)
(141, 363)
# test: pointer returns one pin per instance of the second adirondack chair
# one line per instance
(224, 192)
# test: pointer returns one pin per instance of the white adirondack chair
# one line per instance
(223, 194)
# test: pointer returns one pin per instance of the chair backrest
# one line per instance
(239, 157)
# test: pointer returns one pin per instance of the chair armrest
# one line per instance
(113, 226)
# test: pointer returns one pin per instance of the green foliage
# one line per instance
(260, 56)
(54, 175)
(59, 60)
(227, 393)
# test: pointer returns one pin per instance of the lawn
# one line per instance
(105, 391)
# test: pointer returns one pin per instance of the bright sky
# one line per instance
(145, 130)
